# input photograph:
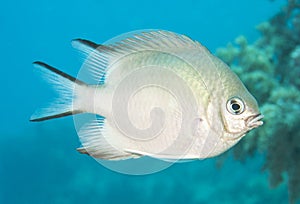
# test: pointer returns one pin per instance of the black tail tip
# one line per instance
(41, 64)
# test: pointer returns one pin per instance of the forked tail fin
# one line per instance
(65, 85)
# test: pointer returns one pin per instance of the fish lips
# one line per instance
(254, 121)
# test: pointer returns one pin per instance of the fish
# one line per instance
(155, 93)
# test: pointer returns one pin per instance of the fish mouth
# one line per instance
(254, 121)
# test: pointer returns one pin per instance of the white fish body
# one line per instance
(164, 96)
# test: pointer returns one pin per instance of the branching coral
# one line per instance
(270, 68)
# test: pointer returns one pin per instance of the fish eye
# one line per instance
(235, 106)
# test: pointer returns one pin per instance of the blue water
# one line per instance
(38, 162)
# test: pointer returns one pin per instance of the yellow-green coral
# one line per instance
(270, 70)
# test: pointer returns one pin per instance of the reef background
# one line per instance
(38, 162)
(270, 68)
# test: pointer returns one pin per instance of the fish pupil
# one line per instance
(235, 107)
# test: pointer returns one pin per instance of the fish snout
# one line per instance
(254, 121)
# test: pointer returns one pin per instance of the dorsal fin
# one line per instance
(87, 46)
(96, 62)
(154, 40)
(99, 57)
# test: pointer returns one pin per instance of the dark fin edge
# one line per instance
(87, 43)
(94, 46)
(82, 150)
(55, 116)
(63, 74)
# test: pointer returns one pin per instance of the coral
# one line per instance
(270, 69)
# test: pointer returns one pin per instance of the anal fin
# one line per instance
(96, 142)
